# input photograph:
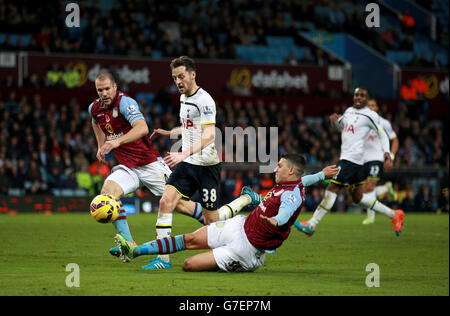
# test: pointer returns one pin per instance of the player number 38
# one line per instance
(210, 196)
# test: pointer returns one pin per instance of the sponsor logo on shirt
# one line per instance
(114, 136)
(131, 109)
(109, 128)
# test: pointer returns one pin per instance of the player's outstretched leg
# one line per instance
(256, 198)
(164, 245)
(386, 188)
(397, 216)
(304, 227)
(370, 219)
(247, 197)
(397, 221)
(121, 226)
(126, 248)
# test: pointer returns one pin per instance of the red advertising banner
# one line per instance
(147, 75)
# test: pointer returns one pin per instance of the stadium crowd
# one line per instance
(201, 29)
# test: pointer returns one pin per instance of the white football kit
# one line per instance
(196, 110)
(355, 125)
(373, 150)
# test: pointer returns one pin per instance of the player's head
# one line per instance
(290, 167)
(373, 105)
(360, 97)
(106, 87)
(183, 74)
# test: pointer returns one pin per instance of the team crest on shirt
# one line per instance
(109, 128)
(115, 113)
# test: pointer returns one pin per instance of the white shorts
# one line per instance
(153, 176)
(231, 248)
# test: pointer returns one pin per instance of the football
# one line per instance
(105, 208)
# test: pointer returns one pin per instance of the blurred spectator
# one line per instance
(53, 75)
(292, 59)
(16, 178)
(70, 76)
(9, 82)
(266, 183)
(313, 199)
(408, 204)
(421, 88)
(423, 200)
(4, 181)
(84, 180)
(408, 22)
(409, 98)
(435, 62)
(407, 43)
(443, 203)
(32, 81)
(424, 61)
(252, 180)
(227, 186)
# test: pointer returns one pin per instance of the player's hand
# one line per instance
(269, 220)
(159, 131)
(388, 163)
(330, 171)
(101, 158)
(334, 117)
(108, 146)
(173, 159)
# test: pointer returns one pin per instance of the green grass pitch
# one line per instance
(36, 250)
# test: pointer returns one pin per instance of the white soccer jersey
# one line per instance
(195, 111)
(373, 150)
(355, 125)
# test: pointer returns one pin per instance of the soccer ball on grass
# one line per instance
(105, 208)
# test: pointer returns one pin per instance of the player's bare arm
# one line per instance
(100, 141)
(175, 132)
(334, 120)
(389, 163)
(139, 130)
(208, 136)
(394, 148)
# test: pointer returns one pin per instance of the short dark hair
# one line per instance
(185, 61)
(365, 89)
(297, 161)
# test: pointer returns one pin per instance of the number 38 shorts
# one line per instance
(231, 248)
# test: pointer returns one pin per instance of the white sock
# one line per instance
(370, 212)
(164, 229)
(381, 190)
(231, 209)
(326, 205)
(371, 203)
